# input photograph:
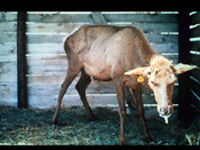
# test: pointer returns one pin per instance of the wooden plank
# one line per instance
(8, 26)
(8, 37)
(67, 28)
(8, 67)
(73, 100)
(8, 100)
(8, 58)
(158, 27)
(151, 27)
(195, 18)
(54, 79)
(8, 48)
(46, 48)
(32, 38)
(9, 89)
(54, 89)
(60, 18)
(45, 38)
(8, 17)
(140, 12)
(21, 61)
(47, 60)
(148, 18)
(8, 77)
(52, 27)
(159, 38)
(42, 69)
(165, 47)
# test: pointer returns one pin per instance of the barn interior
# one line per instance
(33, 66)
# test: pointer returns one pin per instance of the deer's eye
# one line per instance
(149, 73)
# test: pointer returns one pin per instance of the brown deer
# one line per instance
(123, 55)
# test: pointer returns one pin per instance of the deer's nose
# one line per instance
(165, 111)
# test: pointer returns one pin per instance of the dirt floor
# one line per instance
(33, 127)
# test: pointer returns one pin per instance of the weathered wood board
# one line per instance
(8, 59)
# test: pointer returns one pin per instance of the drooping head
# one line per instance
(161, 78)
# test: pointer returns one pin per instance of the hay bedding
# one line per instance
(33, 127)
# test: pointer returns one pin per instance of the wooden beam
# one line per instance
(98, 18)
(184, 57)
(21, 60)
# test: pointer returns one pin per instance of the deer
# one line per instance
(124, 56)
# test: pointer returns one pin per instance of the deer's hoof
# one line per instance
(122, 141)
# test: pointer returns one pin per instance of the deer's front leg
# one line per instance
(138, 97)
(122, 112)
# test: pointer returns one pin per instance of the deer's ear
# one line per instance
(141, 71)
(182, 68)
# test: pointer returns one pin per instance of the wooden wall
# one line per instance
(8, 58)
(47, 64)
(195, 59)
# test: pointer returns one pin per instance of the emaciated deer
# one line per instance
(123, 55)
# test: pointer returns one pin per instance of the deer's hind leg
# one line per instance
(73, 71)
(81, 88)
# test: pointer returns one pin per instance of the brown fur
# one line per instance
(160, 62)
(105, 53)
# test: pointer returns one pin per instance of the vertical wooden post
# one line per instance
(98, 18)
(21, 60)
(184, 57)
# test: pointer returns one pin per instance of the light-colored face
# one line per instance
(161, 78)
(161, 82)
